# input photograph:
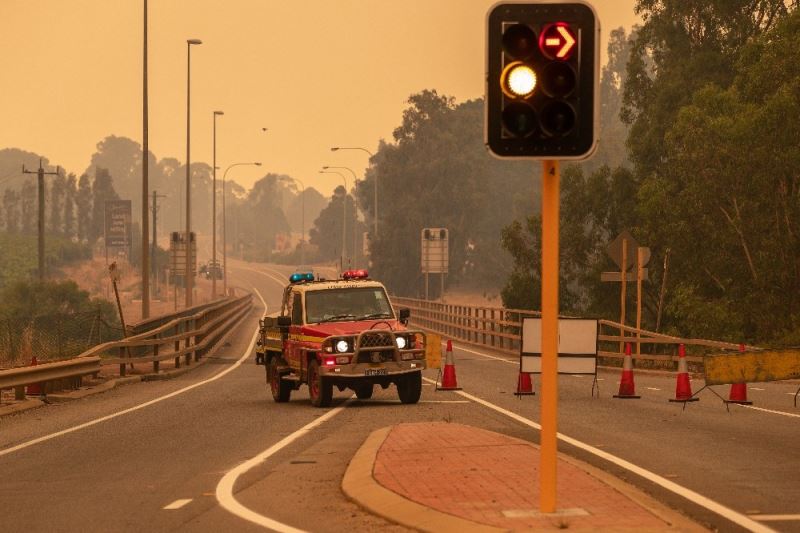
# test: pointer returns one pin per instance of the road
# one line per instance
(172, 455)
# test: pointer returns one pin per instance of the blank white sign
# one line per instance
(576, 337)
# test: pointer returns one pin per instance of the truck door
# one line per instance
(295, 310)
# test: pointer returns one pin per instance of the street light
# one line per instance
(303, 230)
(145, 183)
(355, 212)
(344, 213)
(371, 155)
(214, 213)
(189, 272)
(225, 228)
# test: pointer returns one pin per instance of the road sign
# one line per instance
(118, 223)
(435, 251)
(614, 250)
(177, 253)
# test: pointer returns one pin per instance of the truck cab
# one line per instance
(340, 333)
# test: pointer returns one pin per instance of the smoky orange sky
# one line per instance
(315, 73)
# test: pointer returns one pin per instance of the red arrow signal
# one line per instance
(557, 41)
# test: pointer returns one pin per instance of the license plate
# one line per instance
(375, 372)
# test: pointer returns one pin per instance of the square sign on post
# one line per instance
(435, 256)
(542, 65)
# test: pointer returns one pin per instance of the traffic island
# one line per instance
(450, 477)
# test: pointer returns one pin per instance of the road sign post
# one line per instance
(435, 255)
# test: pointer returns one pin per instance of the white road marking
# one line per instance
(694, 497)
(225, 486)
(177, 504)
(142, 405)
(485, 355)
(652, 388)
(776, 517)
(755, 388)
(793, 415)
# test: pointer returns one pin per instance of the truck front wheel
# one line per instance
(319, 388)
(409, 387)
(281, 390)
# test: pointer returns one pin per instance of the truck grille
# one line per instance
(382, 356)
(375, 340)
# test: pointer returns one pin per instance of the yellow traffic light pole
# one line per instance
(549, 398)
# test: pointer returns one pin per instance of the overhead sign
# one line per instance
(118, 223)
(435, 251)
(577, 346)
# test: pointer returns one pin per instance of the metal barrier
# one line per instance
(184, 339)
(500, 329)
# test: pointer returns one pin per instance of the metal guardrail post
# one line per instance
(122, 370)
(177, 346)
(155, 354)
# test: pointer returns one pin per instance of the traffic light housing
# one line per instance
(542, 68)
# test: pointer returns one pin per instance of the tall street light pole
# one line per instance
(355, 210)
(145, 184)
(189, 272)
(371, 155)
(214, 213)
(344, 214)
(225, 228)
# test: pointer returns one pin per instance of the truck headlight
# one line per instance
(401, 342)
(342, 346)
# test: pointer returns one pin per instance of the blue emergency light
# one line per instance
(297, 277)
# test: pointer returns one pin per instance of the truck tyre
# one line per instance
(319, 388)
(281, 390)
(409, 387)
(364, 391)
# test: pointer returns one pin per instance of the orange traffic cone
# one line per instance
(449, 381)
(34, 389)
(683, 389)
(524, 385)
(738, 392)
(627, 388)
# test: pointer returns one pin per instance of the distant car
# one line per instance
(212, 270)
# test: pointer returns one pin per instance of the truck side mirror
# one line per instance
(405, 314)
(284, 321)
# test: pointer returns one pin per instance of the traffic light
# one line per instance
(541, 80)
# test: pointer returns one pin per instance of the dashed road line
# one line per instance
(177, 504)
(793, 415)
(776, 517)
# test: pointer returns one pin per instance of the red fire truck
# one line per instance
(340, 333)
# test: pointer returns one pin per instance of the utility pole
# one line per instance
(40, 185)
(156, 196)
(145, 184)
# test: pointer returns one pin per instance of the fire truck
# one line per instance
(341, 333)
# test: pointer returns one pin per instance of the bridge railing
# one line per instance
(500, 329)
(183, 337)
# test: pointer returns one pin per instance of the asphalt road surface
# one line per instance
(210, 450)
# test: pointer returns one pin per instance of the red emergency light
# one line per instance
(355, 274)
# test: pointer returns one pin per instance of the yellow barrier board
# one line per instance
(433, 351)
(753, 367)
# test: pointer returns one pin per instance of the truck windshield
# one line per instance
(347, 304)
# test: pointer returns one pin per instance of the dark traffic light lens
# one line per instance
(519, 41)
(520, 119)
(558, 80)
(558, 118)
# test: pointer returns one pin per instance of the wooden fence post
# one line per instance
(122, 365)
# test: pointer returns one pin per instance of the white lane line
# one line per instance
(177, 504)
(793, 415)
(484, 355)
(225, 486)
(755, 388)
(775, 517)
(694, 497)
(652, 388)
(96, 421)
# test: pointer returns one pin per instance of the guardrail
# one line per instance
(500, 329)
(183, 339)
